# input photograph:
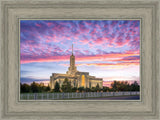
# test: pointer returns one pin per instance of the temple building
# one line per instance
(77, 78)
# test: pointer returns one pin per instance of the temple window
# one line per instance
(83, 81)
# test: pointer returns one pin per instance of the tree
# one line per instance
(47, 88)
(25, 88)
(93, 89)
(74, 89)
(41, 87)
(135, 86)
(80, 89)
(66, 86)
(88, 90)
(123, 86)
(106, 89)
(114, 86)
(35, 87)
(57, 87)
(97, 87)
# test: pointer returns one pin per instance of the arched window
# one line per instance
(83, 81)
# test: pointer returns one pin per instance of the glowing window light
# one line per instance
(83, 81)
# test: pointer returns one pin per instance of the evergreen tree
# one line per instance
(57, 87)
(66, 86)
(97, 87)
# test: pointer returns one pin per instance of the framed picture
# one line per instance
(80, 59)
(107, 49)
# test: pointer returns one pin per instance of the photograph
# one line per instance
(80, 59)
(83, 59)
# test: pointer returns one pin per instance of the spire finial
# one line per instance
(72, 49)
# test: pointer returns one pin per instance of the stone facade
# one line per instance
(77, 78)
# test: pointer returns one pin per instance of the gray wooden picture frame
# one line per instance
(14, 10)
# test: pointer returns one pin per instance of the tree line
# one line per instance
(66, 87)
(34, 88)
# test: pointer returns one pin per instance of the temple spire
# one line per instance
(72, 68)
(72, 49)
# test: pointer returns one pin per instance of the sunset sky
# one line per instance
(108, 49)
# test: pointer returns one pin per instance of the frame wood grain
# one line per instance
(145, 10)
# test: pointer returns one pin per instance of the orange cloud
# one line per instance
(105, 57)
(108, 65)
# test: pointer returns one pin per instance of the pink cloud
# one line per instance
(79, 57)
(38, 25)
(49, 24)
